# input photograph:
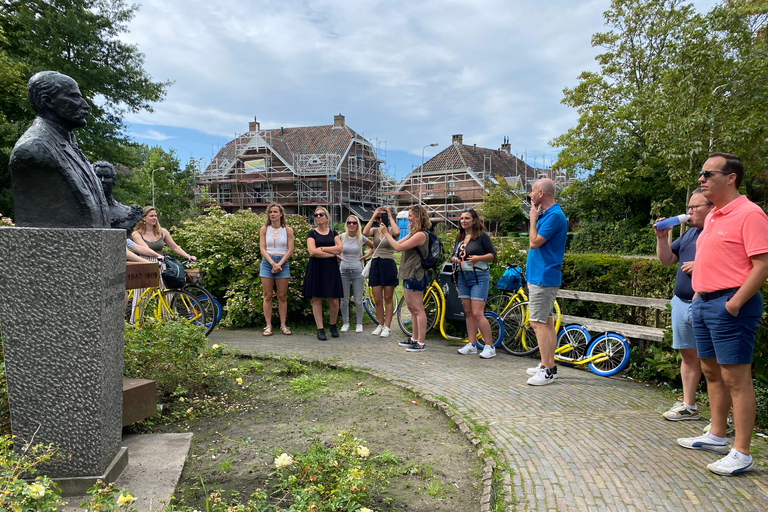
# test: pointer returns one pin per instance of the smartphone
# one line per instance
(385, 218)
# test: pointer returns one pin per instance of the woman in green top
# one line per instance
(148, 232)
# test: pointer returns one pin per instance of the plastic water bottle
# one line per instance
(672, 221)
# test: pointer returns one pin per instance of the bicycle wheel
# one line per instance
(209, 303)
(519, 338)
(431, 308)
(558, 316)
(497, 330)
(614, 351)
(185, 306)
(498, 303)
(572, 344)
(370, 305)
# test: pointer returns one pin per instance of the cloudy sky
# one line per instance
(405, 73)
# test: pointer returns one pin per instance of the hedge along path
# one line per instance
(583, 442)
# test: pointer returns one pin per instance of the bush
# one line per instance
(614, 237)
(227, 249)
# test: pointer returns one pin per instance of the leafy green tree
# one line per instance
(501, 206)
(79, 38)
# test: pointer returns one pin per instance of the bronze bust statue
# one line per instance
(120, 216)
(54, 185)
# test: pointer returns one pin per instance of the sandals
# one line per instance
(267, 331)
(285, 330)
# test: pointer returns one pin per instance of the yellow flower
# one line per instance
(283, 461)
(124, 499)
(365, 510)
(189, 411)
(215, 346)
(363, 452)
(35, 491)
(240, 381)
(181, 399)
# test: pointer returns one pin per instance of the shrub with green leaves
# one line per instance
(227, 249)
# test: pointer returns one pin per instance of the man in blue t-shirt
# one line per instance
(684, 250)
(547, 235)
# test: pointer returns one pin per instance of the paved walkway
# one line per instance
(582, 443)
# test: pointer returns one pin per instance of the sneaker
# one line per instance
(344, 328)
(704, 442)
(334, 330)
(385, 332)
(321, 335)
(532, 371)
(417, 347)
(377, 330)
(542, 378)
(681, 412)
(359, 328)
(729, 428)
(467, 349)
(407, 343)
(731, 464)
(488, 352)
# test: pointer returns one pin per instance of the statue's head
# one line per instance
(57, 97)
(107, 175)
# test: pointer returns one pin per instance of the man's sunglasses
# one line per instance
(321, 214)
(708, 174)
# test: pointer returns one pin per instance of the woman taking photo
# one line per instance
(414, 246)
(276, 246)
(148, 232)
(383, 274)
(472, 252)
(322, 278)
(351, 269)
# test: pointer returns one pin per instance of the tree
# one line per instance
(501, 205)
(78, 38)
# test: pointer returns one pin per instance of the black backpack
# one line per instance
(174, 275)
(434, 251)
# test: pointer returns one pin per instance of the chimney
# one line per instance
(506, 146)
(254, 125)
(458, 139)
(338, 121)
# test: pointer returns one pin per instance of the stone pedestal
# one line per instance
(61, 319)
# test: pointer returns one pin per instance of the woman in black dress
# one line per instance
(322, 278)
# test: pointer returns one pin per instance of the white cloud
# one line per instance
(151, 135)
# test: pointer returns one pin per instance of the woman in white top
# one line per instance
(351, 269)
(276, 245)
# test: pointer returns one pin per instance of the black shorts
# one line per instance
(383, 273)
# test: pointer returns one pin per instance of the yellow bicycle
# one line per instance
(155, 304)
(437, 310)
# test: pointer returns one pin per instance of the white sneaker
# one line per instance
(377, 330)
(729, 428)
(542, 377)
(681, 412)
(704, 442)
(488, 352)
(532, 371)
(467, 349)
(731, 464)
(385, 332)
(359, 328)
(344, 328)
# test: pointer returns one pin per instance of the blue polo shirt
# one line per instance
(543, 267)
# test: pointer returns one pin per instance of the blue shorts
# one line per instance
(682, 325)
(415, 285)
(474, 284)
(730, 339)
(383, 272)
(266, 268)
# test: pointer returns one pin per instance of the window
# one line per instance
(430, 186)
(451, 184)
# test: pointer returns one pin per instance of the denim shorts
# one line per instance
(415, 285)
(474, 285)
(383, 272)
(682, 325)
(541, 302)
(730, 339)
(266, 268)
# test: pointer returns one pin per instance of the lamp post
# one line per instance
(153, 183)
(421, 169)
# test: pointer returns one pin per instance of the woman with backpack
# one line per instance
(353, 241)
(414, 247)
(472, 253)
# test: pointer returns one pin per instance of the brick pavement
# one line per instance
(582, 443)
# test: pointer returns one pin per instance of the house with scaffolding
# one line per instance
(300, 168)
(455, 179)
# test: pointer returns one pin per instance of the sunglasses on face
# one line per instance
(351, 223)
(321, 214)
(708, 174)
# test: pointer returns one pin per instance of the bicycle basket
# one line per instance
(193, 275)
(511, 280)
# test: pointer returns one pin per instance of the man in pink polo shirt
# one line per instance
(730, 267)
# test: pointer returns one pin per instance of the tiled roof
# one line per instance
(458, 156)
